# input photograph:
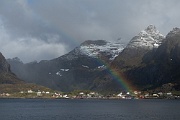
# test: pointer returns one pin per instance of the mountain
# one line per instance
(160, 66)
(74, 70)
(96, 49)
(131, 56)
(150, 60)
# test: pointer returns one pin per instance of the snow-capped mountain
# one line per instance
(133, 53)
(97, 48)
(148, 39)
(161, 65)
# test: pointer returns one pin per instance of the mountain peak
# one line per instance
(174, 32)
(148, 39)
(151, 28)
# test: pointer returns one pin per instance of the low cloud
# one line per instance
(29, 49)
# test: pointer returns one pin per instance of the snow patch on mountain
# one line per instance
(149, 38)
(58, 73)
(102, 67)
(85, 66)
(95, 48)
(64, 70)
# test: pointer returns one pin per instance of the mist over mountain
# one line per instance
(6, 76)
(10, 83)
(74, 70)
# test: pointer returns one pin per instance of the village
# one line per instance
(89, 95)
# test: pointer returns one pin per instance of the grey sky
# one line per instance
(45, 29)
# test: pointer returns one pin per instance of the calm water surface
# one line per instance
(66, 109)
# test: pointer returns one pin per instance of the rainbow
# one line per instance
(118, 76)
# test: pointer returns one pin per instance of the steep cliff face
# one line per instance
(6, 76)
(4, 65)
(167, 57)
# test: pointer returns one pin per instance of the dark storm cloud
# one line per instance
(109, 19)
(48, 29)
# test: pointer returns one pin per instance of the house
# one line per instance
(155, 95)
(65, 96)
(81, 93)
(21, 92)
(30, 91)
(39, 93)
(169, 94)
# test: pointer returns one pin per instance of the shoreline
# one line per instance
(88, 98)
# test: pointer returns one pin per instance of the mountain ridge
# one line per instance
(81, 68)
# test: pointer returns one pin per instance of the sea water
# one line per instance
(89, 109)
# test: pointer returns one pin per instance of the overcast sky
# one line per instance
(46, 29)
